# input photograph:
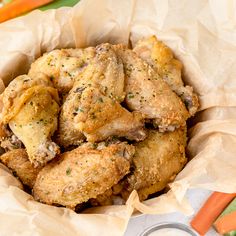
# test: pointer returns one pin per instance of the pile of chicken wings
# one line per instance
(90, 125)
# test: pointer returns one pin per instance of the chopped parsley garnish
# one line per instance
(68, 171)
(100, 100)
(51, 78)
(130, 95)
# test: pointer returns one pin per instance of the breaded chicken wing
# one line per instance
(161, 58)
(17, 160)
(62, 66)
(92, 108)
(31, 109)
(146, 92)
(97, 117)
(156, 162)
(81, 174)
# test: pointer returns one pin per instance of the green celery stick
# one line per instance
(59, 3)
(231, 233)
(229, 209)
(6, 1)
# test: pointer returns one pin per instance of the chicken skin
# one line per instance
(17, 160)
(147, 93)
(161, 58)
(81, 174)
(156, 162)
(31, 109)
(62, 66)
(92, 109)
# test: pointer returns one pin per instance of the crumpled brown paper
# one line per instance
(202, 35)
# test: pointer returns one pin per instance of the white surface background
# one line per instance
(196, 197)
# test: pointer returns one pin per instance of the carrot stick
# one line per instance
(226, 223)
(18, 7)
(211, 209)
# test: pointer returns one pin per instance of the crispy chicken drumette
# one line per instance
(31, 109)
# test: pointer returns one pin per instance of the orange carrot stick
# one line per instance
(226, 223)
(211, 209)
(18, 7)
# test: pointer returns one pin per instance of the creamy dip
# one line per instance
(169, 232)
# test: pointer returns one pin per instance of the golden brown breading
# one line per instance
(147, 93)
(17, 160)
(156, 162)
(62, 66)
(31, 109)
(81, 174)
(161, 58)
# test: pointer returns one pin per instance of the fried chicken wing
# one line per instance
(81, 174)
(161, 58)
(93, 109)
(146, 92)
(31, 109)
(97, 117)
(62, 66)
(156, 162)
(17, 160)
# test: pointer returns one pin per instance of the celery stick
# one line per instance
(229, 209)
(59, 3)
(231, 233)
(6, 1)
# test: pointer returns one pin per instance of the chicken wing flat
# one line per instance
(17, 160)
(81, 174)
(62, 66)
(147, 93)
(92, 108)
(161, 58)
(156, 162)
(31, 109)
